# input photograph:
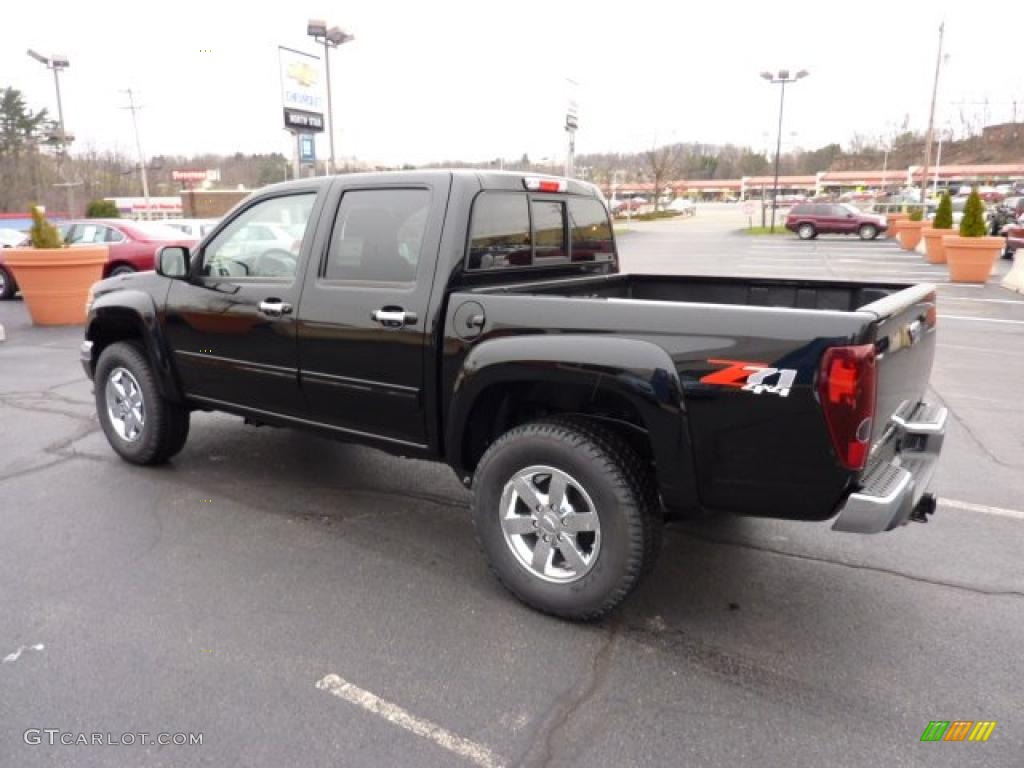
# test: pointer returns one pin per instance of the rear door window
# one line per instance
(377, 235)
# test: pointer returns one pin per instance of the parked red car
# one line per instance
(132, 245)
(809, 220)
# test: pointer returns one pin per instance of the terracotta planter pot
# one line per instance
(55, 281)
(910, 234)
(971, 258)
(894, 221)
(934, 251)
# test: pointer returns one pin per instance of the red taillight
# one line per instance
(536, 184)
(846, 386)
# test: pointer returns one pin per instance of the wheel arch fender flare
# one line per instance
(130, 314)
(635, 370)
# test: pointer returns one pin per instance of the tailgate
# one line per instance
(904, 348)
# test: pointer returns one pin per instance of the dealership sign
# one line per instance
(300, 120)
(187, 175)
(302, 90)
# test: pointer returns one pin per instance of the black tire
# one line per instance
(806, 231)
(121, 269)
(867, 232)
(165, 424)
(625, 502)
(7, 285)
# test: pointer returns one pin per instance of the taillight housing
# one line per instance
(846, 388)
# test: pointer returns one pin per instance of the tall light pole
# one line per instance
(781, 78)
(329, 38)
(931, 118)
(571, 125)
(56, 63)
(138, 147)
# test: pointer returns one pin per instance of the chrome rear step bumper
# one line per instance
(895, 486)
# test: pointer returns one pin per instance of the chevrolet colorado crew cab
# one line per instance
(480, 319)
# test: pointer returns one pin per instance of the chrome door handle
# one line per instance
(393, 317)
(274, 308)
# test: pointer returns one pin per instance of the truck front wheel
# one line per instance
(566, 515)
(141, 425)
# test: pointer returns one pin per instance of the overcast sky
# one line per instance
(426, 81)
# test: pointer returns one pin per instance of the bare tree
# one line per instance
(663, 162)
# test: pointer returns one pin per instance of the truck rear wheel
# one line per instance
(566, 515)
(141, 425)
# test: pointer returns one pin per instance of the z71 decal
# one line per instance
(759, 378)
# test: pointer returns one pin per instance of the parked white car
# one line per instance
(196, 228)
(683, 206)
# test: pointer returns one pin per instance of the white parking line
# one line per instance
(987, 301)
(981, 319)
(967, 506)
(982, 350)
(475, 753)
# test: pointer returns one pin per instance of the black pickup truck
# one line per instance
(480, 319)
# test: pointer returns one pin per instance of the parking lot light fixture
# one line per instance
(56, 62)
(781, 78)
(329, 38)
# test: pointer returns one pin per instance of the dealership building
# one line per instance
(835, 182)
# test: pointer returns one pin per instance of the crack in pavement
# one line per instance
(854, 566)
(61, 449)
(970, 432)
(569, 703)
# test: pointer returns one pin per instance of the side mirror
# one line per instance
(172, 261)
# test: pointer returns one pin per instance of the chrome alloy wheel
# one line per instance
(125, 407)
(550, 524)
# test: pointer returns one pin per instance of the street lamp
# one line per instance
(57, 62)
(780, 78)
(329, 38)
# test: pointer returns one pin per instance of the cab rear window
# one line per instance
(513, 230)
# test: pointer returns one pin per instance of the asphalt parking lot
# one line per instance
(302, 602)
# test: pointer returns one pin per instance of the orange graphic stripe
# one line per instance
(958, 730)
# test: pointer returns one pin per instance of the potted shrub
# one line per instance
(941, 226)
(53, 278)
(972, 253)
(910, 230)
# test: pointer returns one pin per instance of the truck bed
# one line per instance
(745, 457)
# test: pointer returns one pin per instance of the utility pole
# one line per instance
(138, 146)
(931, 117)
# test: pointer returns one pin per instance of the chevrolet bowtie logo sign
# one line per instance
(303, 73)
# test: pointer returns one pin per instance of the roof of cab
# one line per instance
(487, 179)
